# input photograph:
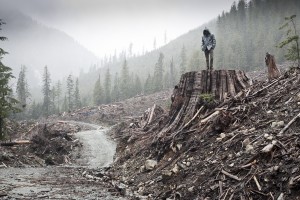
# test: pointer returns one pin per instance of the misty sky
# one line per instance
(105, 25)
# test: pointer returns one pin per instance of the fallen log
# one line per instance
(19, 142)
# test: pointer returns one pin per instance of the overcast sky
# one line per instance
(105, 25)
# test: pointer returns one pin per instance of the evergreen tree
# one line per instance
(77, 101)
(158, 73)
(130, 49)
(58, 93)
(46, 92)
(116, 89)
(107, 86)
(35, 110)
(22, 88)
(194, 64)
(131, 85)
(292, 39)
(167, 80)
(6, 102)
(65, 104)
(53, 94)
(32, 110)
(70, 92)
(125, 82)
(138, 85)
(241, 7)
(148, 87)
(98, 92)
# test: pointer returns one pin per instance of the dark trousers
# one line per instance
(209, 55)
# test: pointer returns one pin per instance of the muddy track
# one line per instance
(64, 182)
(98, 150)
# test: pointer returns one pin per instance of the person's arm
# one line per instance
(213, 41)
(203, 45)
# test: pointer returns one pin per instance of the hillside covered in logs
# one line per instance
(224, 137)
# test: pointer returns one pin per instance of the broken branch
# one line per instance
(20, 142)
(210, 116)
(257, 183)
(193, 117)
(230, 175)
(289, 124)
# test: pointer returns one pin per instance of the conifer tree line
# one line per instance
(127, 84)
(124, 85)
(250, 29)
(52, 102)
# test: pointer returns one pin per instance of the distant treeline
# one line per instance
(249, 30)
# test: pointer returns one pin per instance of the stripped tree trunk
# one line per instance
(273, 71)
(195, 88)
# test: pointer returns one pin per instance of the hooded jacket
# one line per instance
(209, 41)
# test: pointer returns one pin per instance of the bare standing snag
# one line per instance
(273, 71)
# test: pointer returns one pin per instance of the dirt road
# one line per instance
(64, 182)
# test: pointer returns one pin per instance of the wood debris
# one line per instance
(270, 170)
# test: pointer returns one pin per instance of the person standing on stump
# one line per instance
(208, 46)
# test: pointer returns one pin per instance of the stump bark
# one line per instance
(198, 86)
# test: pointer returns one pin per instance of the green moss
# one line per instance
(207, 97)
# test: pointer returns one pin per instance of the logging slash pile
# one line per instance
(110, 114)
(222, 139)
(42, 144)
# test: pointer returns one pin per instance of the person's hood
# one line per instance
(206, 29)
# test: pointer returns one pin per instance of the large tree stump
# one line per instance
(273, 71)
(215, 85)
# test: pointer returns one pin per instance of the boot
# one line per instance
(207, 65)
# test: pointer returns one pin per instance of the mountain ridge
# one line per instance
(37, 45)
